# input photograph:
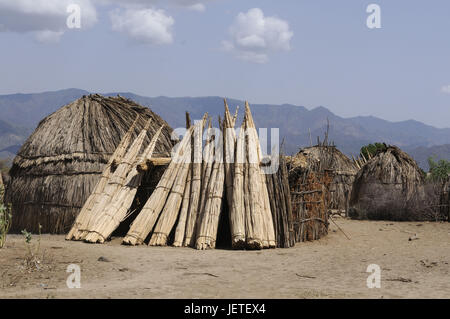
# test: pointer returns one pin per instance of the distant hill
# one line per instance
(437, 152)
(11, 137)
(20, 114)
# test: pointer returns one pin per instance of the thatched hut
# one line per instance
(339, 167)
(61, 162)
(389, 186)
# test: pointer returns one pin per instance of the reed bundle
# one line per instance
(110, 217)
(208, 221)
(170, 186)
(229, 143)
(169, 214)
(85, 214)
(195, 189)
(112, 184)
(250, 212)
(238, 208)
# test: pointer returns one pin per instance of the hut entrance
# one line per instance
(149, 182)
(223, 240)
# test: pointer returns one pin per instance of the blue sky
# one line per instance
(308, 53)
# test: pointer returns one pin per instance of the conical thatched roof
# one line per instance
(58, 166)
(327, 157)
(388, 187)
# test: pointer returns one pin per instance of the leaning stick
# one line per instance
(116, 211)
(116, 181)
(145, 221)
(87, 207)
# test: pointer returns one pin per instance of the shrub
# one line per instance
(439, 170)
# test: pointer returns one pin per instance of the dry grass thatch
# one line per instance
(389, 186)
(59, 165)
(325, 157)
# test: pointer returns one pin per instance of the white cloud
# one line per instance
(254, 36)
(446, 89)
(195, 5)
(45, 18)
(144, 25)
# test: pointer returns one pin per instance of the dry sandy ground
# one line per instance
(333, 267)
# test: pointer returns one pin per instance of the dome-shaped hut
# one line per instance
(61, 162)
(390, 186)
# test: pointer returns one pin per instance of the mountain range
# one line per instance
(299, 126)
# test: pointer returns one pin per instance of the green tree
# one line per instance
(372, 149)
(439, 170)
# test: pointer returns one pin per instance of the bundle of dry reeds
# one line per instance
(187, 205)
(212, 196)
(85, 214)
(109, 217)
(162, 208)
(250, 213)
(115, 192)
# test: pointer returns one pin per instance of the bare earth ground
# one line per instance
(333, 267)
